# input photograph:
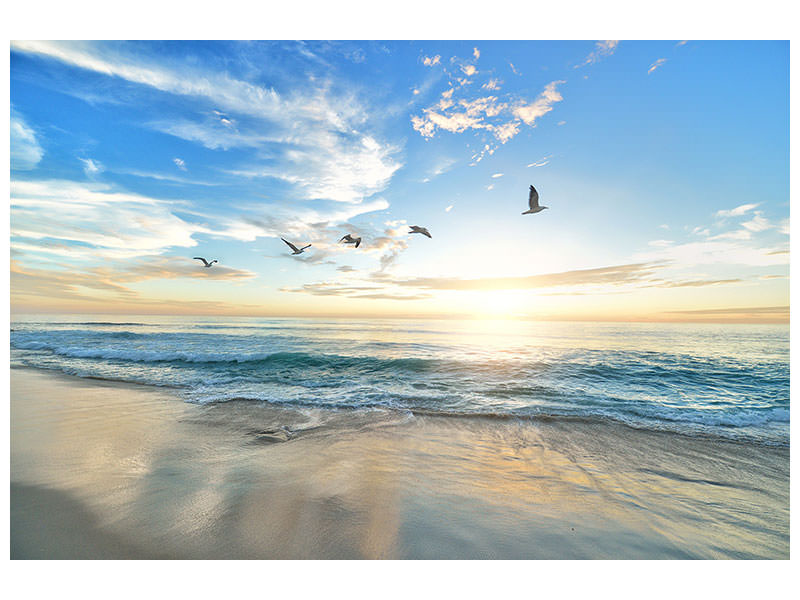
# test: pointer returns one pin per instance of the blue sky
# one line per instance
(665, 165)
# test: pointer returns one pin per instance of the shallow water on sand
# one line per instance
(108, 470)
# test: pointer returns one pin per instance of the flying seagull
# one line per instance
(205, 262)
(349, 239)
(418, 229)
(533, 202)
(295, 249)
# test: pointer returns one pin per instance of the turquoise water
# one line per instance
(730, 381)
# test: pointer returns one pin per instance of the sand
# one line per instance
(103, 470)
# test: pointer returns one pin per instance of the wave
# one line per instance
(90, 323)
(298, 359)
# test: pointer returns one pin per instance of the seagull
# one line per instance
(418, 229)
(205, 262)
(533, 202)
(349, 239)
(295, 249)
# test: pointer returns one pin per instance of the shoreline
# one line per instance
(105, 469)
(498, 416)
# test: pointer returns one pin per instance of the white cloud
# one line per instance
(502, 118)
(721, 252)
(430, 61)
(540, 163)
(492, 84)
(602, 49)
(110, 222)
(449, 208)
(757, 223)
(335, 168)
(496, 175)
(180, 163)
(350, 164)
(656, 64)
(541, 106)
(231, 94)
(26, 152)
(476, 53)
(469, 70)
(91, 167)
(736, 212)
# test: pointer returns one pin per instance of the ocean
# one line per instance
(708, 380)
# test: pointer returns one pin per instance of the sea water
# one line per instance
(720, 380)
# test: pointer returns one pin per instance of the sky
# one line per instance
(664, 166)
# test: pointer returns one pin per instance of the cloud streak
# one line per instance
(602, 49)
(25, 152)
(656, 65)
(331, 159)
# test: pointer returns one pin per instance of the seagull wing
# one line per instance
(358, 241)
(205, 262)
(291, 245)
(304, 247)
(533, 198)
(424, 231)
(345, 237)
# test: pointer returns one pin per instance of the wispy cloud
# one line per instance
(656, 64)
(600, 280)
(602, 49)
(541, 106)
(757, 223)
(541, 163)
(91, 167)
(179, 162)
(108, 221)
(353, 291)
(718, 251)
(736, 212)
(615, 275)
(430, 61)
(26, 152)
(500, 117)
(333, 160)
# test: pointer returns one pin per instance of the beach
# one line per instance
(110, 470)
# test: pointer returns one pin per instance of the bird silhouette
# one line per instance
(418, 229)
(205, 262)
(349, 239)
(295, 249)
(533, 203)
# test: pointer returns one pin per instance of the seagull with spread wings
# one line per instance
(349, 239)
(295, 249)
(205, 262)
(533, 203)
(418, 229)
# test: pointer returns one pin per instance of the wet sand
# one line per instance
(108, 470)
